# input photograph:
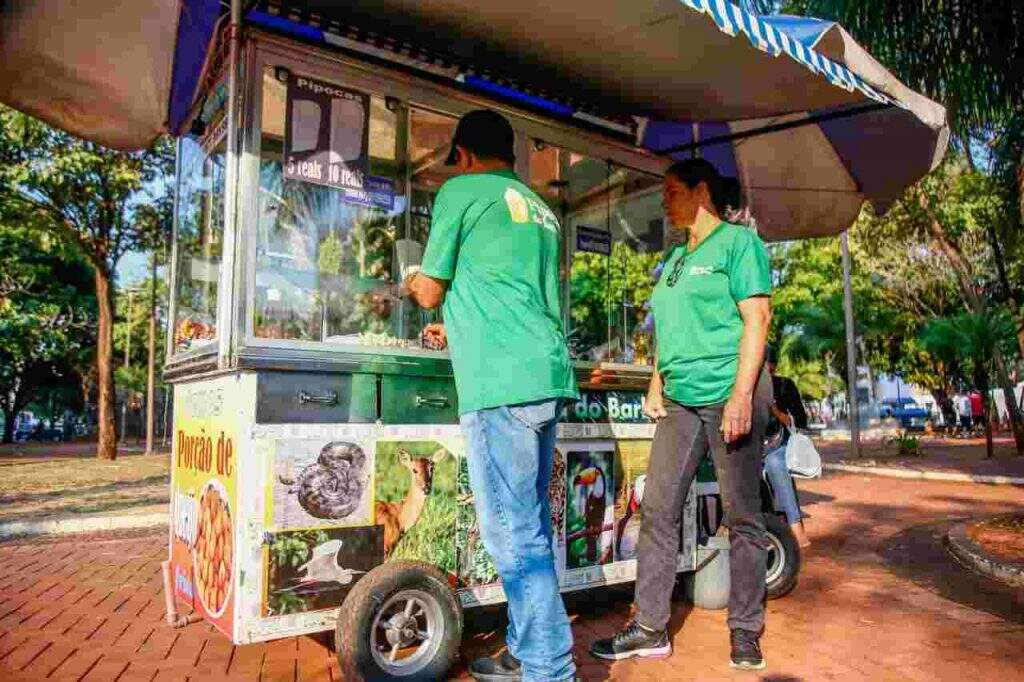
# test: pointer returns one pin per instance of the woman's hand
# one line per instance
(736, 417)
(783, 417)
(654, 406)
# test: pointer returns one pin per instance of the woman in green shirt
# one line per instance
(709, 392)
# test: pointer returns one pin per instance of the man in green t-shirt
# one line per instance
(492, 257)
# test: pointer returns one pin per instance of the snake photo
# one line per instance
(332, 487)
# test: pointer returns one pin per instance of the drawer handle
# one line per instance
(439, 403)
(328, 399)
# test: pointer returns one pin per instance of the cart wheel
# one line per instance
(401, 621)
(783, 557)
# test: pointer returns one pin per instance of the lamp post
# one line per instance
(151, 360)
(853, 410)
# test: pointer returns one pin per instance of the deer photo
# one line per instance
(398, 517)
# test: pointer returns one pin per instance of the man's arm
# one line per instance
(428, 292)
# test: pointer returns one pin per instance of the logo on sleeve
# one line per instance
(517, 206)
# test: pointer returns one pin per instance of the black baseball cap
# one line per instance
(487, 134)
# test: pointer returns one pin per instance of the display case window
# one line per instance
(200, 235)
(331, 217)
(612, 218)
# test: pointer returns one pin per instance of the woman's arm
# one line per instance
(654, 405)
(757, 316)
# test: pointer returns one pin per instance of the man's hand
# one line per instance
(435, 337)
(736, 417)
(654, 406)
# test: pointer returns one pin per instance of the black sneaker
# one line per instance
(746, 651)
(634, 640)
(499, 669)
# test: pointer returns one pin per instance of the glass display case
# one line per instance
(318, 253)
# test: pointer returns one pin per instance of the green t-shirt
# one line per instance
(498, 244)
(696, 321)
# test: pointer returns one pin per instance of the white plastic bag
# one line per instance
(802, 459)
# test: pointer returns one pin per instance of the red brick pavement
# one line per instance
(90, 608)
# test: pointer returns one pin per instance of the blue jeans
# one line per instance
(510, 452)
(782, 484)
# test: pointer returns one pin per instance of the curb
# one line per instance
(971, 555)
(84, 524)
(947, 476)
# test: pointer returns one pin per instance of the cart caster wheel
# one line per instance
(401, 621)
(783, 566)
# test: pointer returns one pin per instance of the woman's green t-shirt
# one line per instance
(696, 319)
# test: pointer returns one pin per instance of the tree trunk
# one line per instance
(1004, 282)
(963, 272)
(9, 417)
(106, 448)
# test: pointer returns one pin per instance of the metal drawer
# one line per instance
(315, 398)
(418, 400)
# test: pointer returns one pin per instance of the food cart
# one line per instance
(319, 476)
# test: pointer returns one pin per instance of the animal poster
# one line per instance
(631, 473)
(556, 498)
(321, 484)
(590, 505)
(475, 565)
(415, 487)
(314, 569)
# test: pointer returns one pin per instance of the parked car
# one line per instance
(44, 434)
(906, 411)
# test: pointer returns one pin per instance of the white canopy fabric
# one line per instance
(100, 69)
(689, 69)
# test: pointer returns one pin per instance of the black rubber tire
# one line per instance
(352, 633)
(783, 583)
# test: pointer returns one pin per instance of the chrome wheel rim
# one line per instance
(776, 558)
(407, 632)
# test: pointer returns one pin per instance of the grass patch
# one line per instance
(32, 489)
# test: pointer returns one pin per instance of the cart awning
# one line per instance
(121, 72)
(111, 71)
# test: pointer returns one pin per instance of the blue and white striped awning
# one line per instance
(763, 34)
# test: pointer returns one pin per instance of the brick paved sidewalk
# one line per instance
(90, 608)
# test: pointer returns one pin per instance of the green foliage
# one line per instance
(101, 202)
(906, 445)
(89, 194)
(966, 343)
(46, 315)
(133, 320)
(600, 284)
(290, 549)
(967, 54)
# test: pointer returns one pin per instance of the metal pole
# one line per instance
(851, 349)
(151, 369)
(128, 332)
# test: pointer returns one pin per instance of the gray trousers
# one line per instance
(681, 441)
